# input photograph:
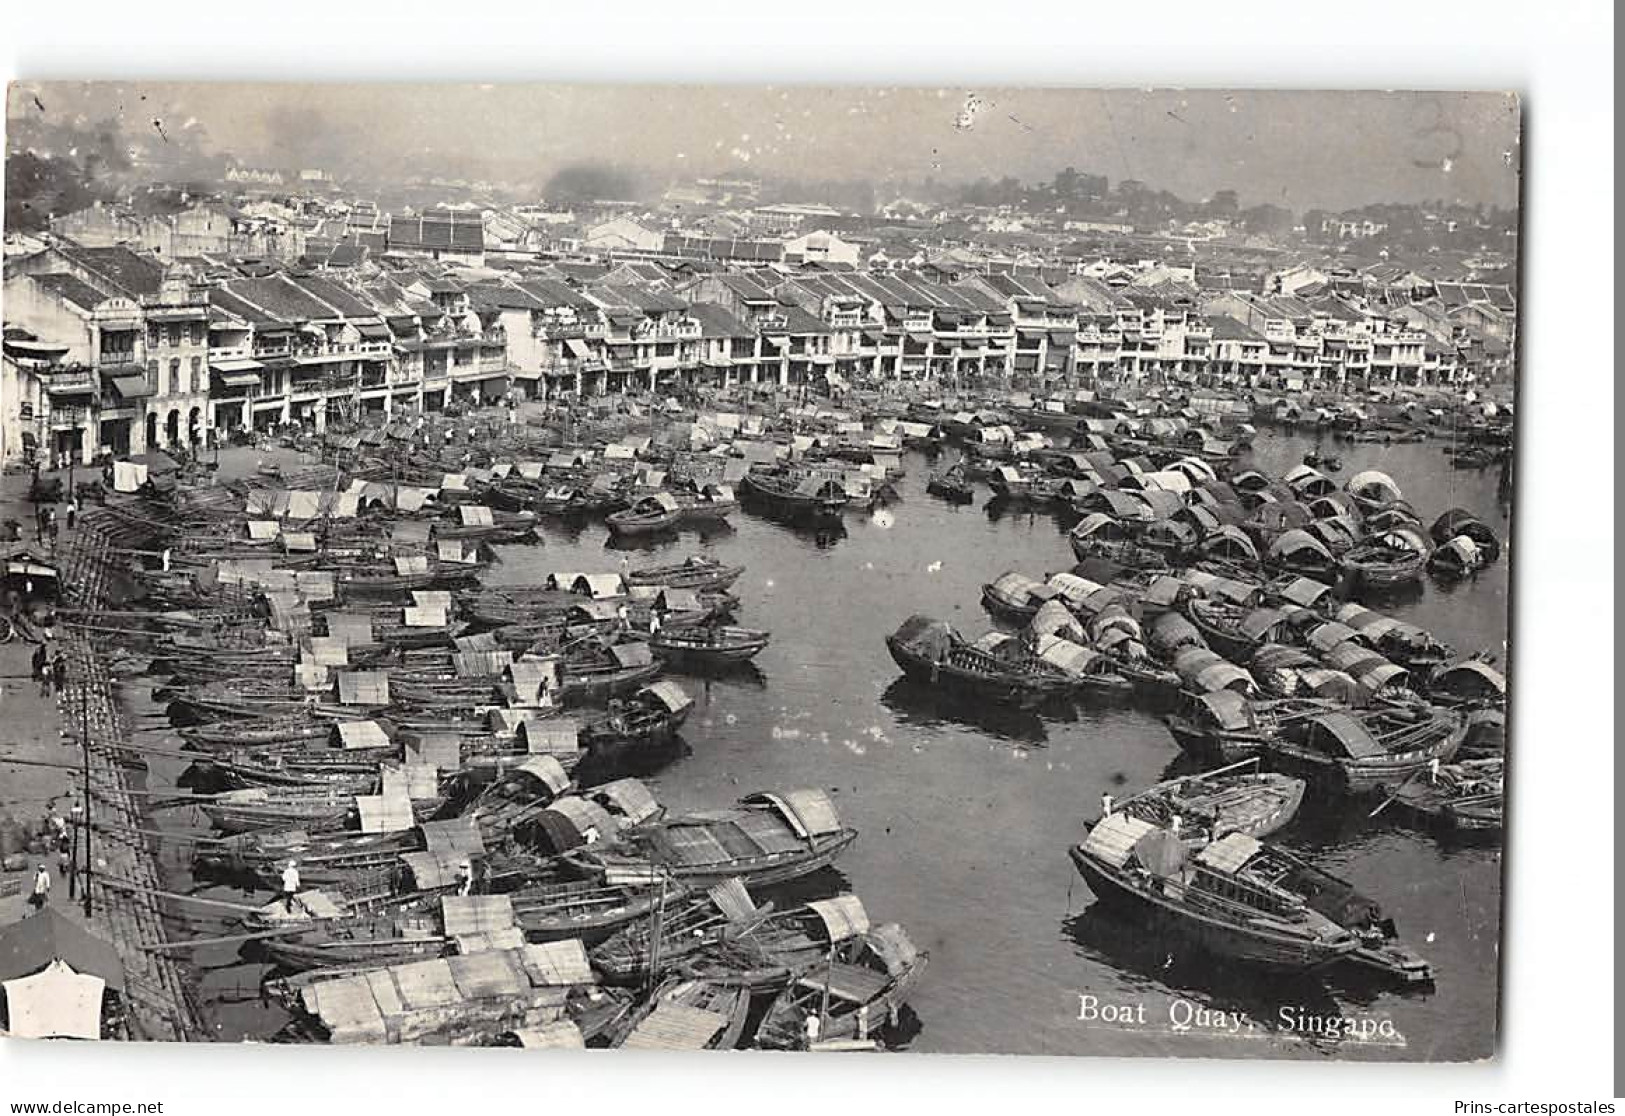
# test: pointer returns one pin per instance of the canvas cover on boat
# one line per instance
(409, 534)
(1053, 617)
(579, 817)
(1279, 656)
(1374, 485)
(1230, 541)
(561, 1034)
(364, 687)
(549, 737)
(1469, 676)
(1171, 631)
(303, 504)
(630, 655)
(1098, 523)
(440, 750)
(1071, 587)
(1372, 625)
(1365, 666)
(1113, 838)
(423, 616)
(324, 651)
(1228, 709)
(361, 734)
(408, 564)
(1304, 591)
(480, 922)
(630, 798)
(929, 639)
(381, 813)
(809, 812)
(668, 694)
(675, 1026)
(1295, 542)
(1229, 852)
(354, 629)
(680, 600)
(1260, 622)
(1069, 657)
(1349, 734)
(479, 664)
(1016, 587)
(596, 585)
(991, 641)
(1205, 671)
(1222, 588)
(843, 916)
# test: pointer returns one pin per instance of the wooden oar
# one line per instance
(1395, 795)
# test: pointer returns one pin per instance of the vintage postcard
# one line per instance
(928, 570)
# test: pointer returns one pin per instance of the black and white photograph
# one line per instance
(819, 567)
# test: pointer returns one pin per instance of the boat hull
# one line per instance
(1233, 943)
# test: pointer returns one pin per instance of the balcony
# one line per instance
(667, 331)
(314, 354)
(230, 352)
(67, 380)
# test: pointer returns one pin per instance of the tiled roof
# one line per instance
(1226, 328)
(282, 298)
(557, 293)
(446, 230)
(71, 289)
(502, 296)
(800, 321)
(223, 298)
(128, 271)
(715, 321)
(637, 296)
(340, 297)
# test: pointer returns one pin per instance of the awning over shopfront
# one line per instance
(133, 387)
(373, 331)
(577, 348)
(236, 364)
(239, 379)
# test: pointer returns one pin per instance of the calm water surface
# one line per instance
(965, 818)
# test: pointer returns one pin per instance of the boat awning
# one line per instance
(1113, 838)
(1229, 853)
(133, 387)
(1353, 736)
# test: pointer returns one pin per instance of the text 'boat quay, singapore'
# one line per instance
(773, 719)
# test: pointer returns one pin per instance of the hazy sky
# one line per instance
(1326, 149)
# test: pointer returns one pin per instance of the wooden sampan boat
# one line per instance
(707, 646)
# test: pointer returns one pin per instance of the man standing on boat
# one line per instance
(290, 885)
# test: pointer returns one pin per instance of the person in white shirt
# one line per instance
(42, 889)
(290, 884)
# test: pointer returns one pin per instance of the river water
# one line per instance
(965, 823)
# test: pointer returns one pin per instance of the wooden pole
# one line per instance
(84, 742)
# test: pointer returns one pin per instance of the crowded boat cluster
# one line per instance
(441, 776)
(1245, 610)
(437, 777)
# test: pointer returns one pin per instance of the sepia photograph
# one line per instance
(1014, 571)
